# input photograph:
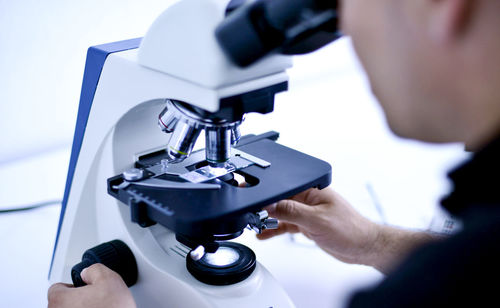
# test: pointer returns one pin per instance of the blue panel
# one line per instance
(96, 56)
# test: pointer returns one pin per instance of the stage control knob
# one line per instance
(114, 254)
(261, 220)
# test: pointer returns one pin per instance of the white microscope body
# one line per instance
(178, 59)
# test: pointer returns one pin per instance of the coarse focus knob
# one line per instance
(114, 254)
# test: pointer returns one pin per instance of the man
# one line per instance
(434, 65)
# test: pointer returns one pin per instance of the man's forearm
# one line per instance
(393, 244)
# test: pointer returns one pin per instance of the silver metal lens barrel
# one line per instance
(183, 139)
(218, 144)
(168, 119)
(235, 134)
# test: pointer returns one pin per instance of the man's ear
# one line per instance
(449, 19)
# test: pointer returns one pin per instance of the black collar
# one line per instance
(476, 183)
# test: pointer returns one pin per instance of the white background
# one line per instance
(328, 112)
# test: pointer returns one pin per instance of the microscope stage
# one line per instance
(219, 207)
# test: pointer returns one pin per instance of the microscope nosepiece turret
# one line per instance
(185, 125)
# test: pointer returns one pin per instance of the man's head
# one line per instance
(433, 64)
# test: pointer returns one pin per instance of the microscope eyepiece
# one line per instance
(253, 31)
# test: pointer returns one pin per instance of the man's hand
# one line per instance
(329, 220)
(105, 288)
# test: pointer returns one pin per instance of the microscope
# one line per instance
(162, 214)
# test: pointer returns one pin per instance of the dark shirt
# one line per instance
(462, 270)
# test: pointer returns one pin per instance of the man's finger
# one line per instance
(304, 197)
(59, 287)
(56, 293)
(96, 272)
(292, 211)
(314, 196)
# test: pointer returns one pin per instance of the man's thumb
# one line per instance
(96, 272)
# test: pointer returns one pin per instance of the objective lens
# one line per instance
(167, 119)
(218, 145)
(235, 134)
(182, 141)
(185, 125)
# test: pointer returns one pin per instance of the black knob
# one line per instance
(114, 254)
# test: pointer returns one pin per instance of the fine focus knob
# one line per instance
(114, 254)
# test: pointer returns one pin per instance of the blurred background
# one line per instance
(328, 112)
